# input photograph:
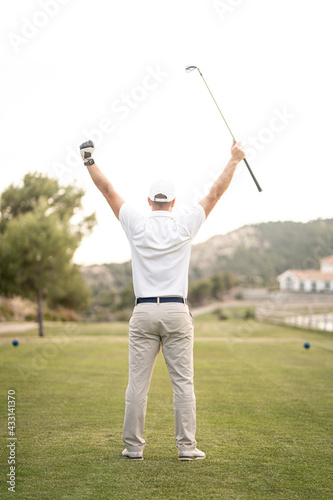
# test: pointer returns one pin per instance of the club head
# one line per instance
(188, 69)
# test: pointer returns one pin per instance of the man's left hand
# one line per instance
(87, 150)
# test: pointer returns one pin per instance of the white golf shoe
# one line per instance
(191, 454)
(134, 455)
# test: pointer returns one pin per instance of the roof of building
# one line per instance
(312, 274)
(329, 258)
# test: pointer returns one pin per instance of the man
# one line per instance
(160, 247)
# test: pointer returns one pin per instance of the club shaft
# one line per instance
(225, 121)
(232, 135)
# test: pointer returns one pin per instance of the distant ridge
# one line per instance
(255, 253)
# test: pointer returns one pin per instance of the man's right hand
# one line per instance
(87, 150)
(237, 151)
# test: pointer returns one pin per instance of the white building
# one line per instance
(309, 280)
(326, 264)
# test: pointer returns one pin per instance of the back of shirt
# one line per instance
(161, 248)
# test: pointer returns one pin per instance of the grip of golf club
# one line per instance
(252, 175)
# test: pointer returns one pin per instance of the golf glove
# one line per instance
(87, 150)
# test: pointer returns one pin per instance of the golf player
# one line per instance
(160, 247)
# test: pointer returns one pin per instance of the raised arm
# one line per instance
(104, 185)
(222, 182)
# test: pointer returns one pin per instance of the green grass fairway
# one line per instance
(264, 415)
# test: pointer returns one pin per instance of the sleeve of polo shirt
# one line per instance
(129, 219)
(193, 219)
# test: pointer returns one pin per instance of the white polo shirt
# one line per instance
(161, 248)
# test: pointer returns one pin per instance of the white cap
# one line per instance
(162, 186)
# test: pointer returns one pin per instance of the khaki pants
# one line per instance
(171, 325)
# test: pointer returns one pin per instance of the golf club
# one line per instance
(188, 69)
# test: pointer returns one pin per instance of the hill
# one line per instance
(255, 253)
(252, 256)
(262, 251)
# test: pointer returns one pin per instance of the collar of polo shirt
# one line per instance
(163, 213)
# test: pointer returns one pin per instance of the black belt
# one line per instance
(160, 299)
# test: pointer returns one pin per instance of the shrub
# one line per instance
(5, 312)
(249, 314)
(124, 314)
(222, 316)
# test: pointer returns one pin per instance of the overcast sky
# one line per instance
(114, 71)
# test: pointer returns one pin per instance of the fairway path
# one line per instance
(9, 327)
(197, 311)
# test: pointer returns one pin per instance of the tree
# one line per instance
(211, 288)
(66, 201)
(37, 243)
(200, 292)
(222, 282)
(127, 297)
